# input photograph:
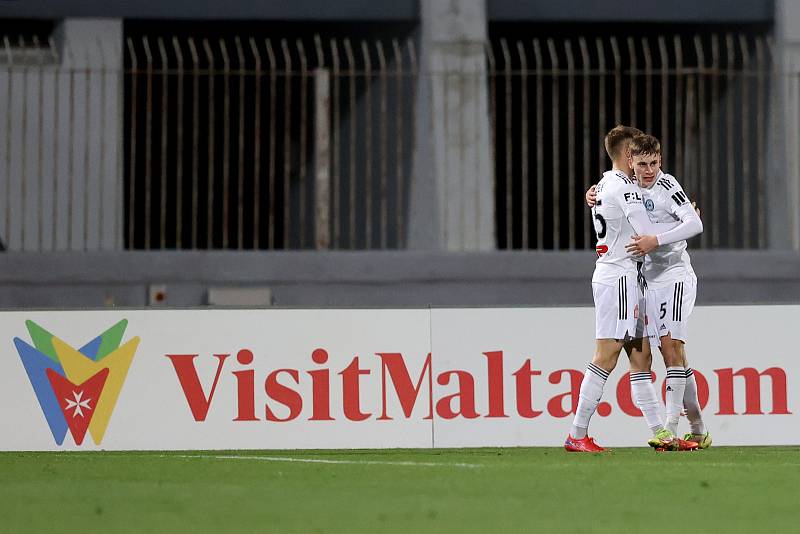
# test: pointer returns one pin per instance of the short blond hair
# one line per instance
(617, 138)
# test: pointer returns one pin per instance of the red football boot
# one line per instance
(678, 444)
(686, 445)
(586, 444)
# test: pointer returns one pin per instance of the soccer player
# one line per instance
(670, 262)
(618, 215)
(671, 281)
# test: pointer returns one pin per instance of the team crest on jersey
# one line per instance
(649, 205)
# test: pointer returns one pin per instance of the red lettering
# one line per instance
(407, 392)
(320, 388)
(283, 395)
(494, 372)
(752, 384)
(555, 406)
(350, 391)
(245, 387)
(465, 396)
(524, 378)
(199, 403)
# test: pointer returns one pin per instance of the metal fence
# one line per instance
(248, 143)
(706, 97)
(245, 143)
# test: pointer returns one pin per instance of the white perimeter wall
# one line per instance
(153, 411)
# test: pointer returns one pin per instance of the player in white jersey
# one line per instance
(671, 281)
(618, 215)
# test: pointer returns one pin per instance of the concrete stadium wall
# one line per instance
(183, 279)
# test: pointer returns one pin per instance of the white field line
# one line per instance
(320, 460)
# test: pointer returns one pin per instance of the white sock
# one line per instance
(591, 392)
(676, 385)
(646, 399)
(692, 404)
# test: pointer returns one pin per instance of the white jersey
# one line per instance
(618, 196)
(666, 202)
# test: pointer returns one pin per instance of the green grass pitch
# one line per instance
(723, 489)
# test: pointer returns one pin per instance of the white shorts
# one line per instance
(669, 308)
(617, 309)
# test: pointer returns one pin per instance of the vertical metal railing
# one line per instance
(225, 146)
(254, 143)
(706, 97)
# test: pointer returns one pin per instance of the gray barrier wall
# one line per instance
(385, 279)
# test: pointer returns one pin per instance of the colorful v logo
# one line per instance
(77, 389)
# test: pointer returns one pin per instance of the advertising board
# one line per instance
(366, 378)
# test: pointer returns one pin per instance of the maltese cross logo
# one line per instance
(77, 404)
(73, 408)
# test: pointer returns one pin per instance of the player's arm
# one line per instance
(631, 202)
(661, 227)
(689, 225)
(641, 222)
(643, 244)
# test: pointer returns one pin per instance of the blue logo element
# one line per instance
(648, 205)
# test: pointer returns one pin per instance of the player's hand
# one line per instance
(696, 209)
(591, 197)
(641, 245)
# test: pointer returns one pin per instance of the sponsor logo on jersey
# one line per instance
(632, 197)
